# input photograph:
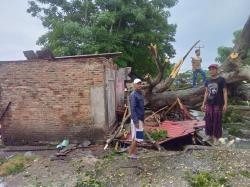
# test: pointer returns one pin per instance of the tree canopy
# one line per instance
(87, 26)
(224, 52)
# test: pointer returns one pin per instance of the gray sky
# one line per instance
(211, 21)
(19, 31)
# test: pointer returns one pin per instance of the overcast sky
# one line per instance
(18, 30)
(211, 21)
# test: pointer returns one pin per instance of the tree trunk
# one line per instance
(192, 98)
(243, 91)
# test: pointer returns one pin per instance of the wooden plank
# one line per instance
(67, 150)
(110, 95)
(202, 135)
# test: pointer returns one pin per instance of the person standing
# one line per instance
(196, 65)
(137, 117)
(214, 103)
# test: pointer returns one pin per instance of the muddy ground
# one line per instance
(94, 167)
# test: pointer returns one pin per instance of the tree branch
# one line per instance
(160, 68)
(175, 71)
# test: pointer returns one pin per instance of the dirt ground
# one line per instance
(98, 168)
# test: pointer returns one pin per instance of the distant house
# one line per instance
(51, 99)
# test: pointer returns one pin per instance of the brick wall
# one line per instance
(50, 99)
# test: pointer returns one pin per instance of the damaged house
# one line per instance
(50, 99)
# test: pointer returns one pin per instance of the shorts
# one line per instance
(137, 133)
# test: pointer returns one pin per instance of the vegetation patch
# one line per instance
(111, 155)
(89, 181)
(205, 179)
(14, 165)
(232, 116)
(2, 160)
(245, 173)
(231, 174)
(235, 131)
(158, 134)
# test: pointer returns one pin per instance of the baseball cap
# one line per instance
(213, 66)
(136, 81)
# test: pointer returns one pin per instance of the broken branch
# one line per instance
(175, 71)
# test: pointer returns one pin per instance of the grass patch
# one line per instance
(205, 179)
(89, 181)
(235, 131)
(2, 160)
(245, 173)
(157, 134)
(14, 165)
(232, 116)
(112, 155)
(231, 174)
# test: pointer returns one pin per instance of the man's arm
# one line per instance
(133, 113)
(225, 99)
(204, 100)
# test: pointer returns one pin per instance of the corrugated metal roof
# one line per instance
(181, 128)
(176, 129)
(109, 55)
(45, 55)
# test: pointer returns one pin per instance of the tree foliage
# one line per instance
(224, 52)
(87, 26)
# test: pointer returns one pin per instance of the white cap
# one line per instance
(137, 81)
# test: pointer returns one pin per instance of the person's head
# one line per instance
(213, 70)
(197, 52)
(137, 84)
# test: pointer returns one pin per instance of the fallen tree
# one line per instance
(158, 90)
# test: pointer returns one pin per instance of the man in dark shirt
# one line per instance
(137, 117)
(214, 103)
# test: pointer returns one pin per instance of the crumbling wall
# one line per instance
(51, 100)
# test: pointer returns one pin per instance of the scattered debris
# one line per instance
(28, 154)
(85, 143)
(66, 150)
(63, 144)
(40, 54)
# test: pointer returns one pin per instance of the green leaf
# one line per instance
(84, 27)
